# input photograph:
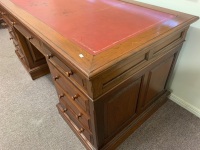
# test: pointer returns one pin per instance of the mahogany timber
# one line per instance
(105, 93)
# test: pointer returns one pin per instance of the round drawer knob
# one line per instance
(49, 56)
(56, 78)
(80, 130)
(75, 97)
(79, 115)
(61, 96)
(64, 110)
(3, 13)
(21, 57)
(13, 23)
(69, 73)
(30, 38)
(11, 38)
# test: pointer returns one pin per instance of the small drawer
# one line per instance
(16, 44)
(21, 56)
(77, 96)
(18, 49)
(11, 32)
(28, 35)
(14, 39)
(170, 41)
(66, 100)
(67, 115)
(72, 74)
(11, 21)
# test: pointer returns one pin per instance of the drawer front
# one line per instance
(12, 34)
(77, 96)
(67, 114)
(8, 18)
(21, 56)
(13, 37)
(66, 100)
(28, 35)
(71, 74)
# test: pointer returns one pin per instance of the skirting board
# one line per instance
(185, 105)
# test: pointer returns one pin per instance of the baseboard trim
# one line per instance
(185, 105)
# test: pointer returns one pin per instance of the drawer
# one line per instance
(21, 56)
(72, 75)
(66, 100)
(18, 49)
(13, 38)
(12, 34)
(68, 116)
(28, 35)
(170, 42)
(77, 96)
(8, 18)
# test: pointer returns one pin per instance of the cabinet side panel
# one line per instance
(121, 107)
(157, 78)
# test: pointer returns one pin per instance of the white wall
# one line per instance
(185, 84)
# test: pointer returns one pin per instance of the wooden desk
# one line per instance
(110, 60)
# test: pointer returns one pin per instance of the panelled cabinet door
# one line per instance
(118, 108)
(121, 107)
(155, 82)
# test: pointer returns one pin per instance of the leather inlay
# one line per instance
(93, 24)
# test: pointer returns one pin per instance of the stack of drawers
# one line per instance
(10, 21)
(73, 103)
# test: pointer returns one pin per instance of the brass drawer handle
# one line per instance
(49, 56)
(75, 97)
(79, 115)
(69, 73)
(61, 96)
(80, 130)
(56, 78)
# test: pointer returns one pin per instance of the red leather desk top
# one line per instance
(93, 24)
